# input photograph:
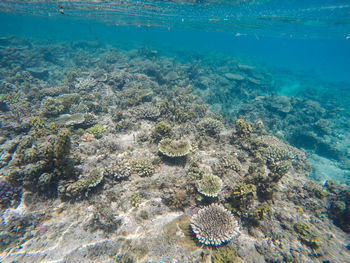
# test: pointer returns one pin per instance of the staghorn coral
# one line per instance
(244, 191)
(279, 170)
(214, 225)
(277, 153)
(172, 148)
(176, 198)
(38, 127)
(135, 199)
(210, 185)
(262, 212)
(40, 163)
(242, 197)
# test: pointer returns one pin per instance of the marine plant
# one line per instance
(172, 148)
(214, 225)
(96, 130)
(210, 185)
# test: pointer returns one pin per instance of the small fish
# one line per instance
(60, 9)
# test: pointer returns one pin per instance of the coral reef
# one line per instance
(214, 225)
(210, 185)
(83, 184)
(9, 195)
(39, 164)
(210, 126)
(149, 109)
(96, 130)
(122, 168)
(143, 168)
(225, 255)
(172, 148)
(308, 236)
(161, 130)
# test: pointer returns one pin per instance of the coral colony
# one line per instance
(118, 155)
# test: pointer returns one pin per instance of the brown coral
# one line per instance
(214, 225)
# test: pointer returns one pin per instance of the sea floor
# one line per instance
(107, 154)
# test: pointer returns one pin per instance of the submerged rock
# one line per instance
(39, 72)
(280, 104)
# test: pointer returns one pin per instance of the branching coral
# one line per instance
(161, 130)
(143, 168)
(96, 130)
(244, 129)
(210, 126)
(214, 225)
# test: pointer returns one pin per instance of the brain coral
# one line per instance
(172, 148)
(214, 225)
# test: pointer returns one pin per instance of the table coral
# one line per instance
(172, 148)
(214, 225)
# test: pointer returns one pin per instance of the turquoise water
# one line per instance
(124, 122)
(304, 47)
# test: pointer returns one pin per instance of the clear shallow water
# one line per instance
(314, 38)
(90, 91)
(305, 46)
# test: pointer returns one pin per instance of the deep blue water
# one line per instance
(325, 55)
